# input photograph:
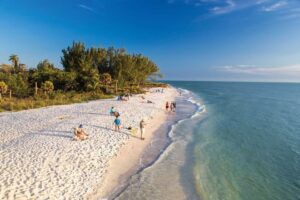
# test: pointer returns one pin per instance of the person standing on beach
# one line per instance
(167, 106)
(142, 128)
(116, 114)
(174, 106)
(171, 106)
(117, 123)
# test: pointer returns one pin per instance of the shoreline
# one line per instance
(122, 166)
(120, 177)
(132, 157)
(135, 185)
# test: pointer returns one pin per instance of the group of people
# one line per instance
(159, 90)
(80, 134)
(171, 106)
(124, 97)
(117, 123)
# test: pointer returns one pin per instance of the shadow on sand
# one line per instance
(129, 135)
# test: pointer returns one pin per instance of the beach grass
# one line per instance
(55, 98)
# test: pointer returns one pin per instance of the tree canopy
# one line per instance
(120, 65)
(84, 69)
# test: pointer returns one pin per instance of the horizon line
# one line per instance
(234, 81)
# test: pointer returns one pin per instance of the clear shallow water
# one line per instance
(248, 144)
(245, 146)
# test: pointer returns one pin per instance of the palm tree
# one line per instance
(15, 61)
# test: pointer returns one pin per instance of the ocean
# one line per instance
(241, 143)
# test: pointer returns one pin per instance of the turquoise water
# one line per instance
(242, 144)
(246, 146)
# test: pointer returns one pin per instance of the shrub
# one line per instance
(3, 88)
(47, 87)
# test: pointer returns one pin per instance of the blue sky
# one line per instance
(232, 40)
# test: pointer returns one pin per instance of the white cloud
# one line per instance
(231, 5)
(85, 7)
(261, 1)
(221, 7)
(286, 71)
(275, 6)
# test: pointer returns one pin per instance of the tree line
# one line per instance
(84, 70)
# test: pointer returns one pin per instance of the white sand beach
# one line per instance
(40, 159)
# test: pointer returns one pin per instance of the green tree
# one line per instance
(105, 79)
(18, 83)
(15, 62)
(45, 71)
(74, 57)
(3, 88)
(65, 81)
(80, 61)
(47, 87)
(7, 69)
(89, 63)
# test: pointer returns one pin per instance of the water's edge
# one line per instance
(152, 153)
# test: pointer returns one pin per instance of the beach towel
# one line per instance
(133, 131)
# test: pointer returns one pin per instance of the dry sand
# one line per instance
(40, 160)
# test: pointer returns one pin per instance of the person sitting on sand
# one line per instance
(80, 134)
(117, 123)
(142, 128)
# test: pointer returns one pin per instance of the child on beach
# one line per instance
(117, 123)
(142, 128)
(116, 114)
(112, 111)
(167, 106)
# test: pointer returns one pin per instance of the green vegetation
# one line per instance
(87, 74)
(3, 89)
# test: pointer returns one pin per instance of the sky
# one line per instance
(222, 40)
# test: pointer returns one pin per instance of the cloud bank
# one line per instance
(221, 7)
(293, 70)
